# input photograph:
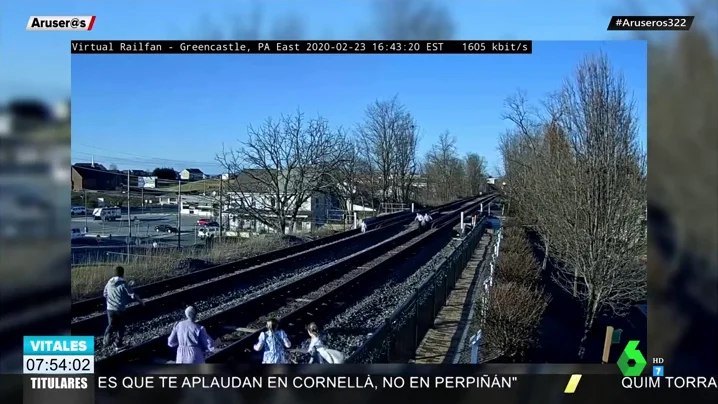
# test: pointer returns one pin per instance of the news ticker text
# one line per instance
(349, 382)
(372, 382)
(650, 23)
(303, 47)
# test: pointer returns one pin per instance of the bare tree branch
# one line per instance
(390, 138)
(280, 167)
(578, 175)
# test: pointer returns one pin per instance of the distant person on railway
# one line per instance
(363, 226)
(422, 220)
(274, 342)
(318, 351)
(190, 339)
(118, 295)
(427, 219)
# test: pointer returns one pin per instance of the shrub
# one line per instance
(515, 241)
(511, 319)
(517, 267)
(510, 223)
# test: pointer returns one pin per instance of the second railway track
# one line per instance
(237, 325)
(219, 294)
(87, 311)
(92, 306)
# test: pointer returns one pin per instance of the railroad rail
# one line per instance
(301, 299)
(401, 332)
(178, 299)
(94, 304)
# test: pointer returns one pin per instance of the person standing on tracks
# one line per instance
(422, 220)
(274, 342)
(190, 339)
(318, 351)
(428, 218)
(118, 294)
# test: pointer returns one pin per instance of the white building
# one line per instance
(147, 182)
(319, 209)
(192, 174)
(200, 205)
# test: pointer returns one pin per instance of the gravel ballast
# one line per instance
(351, 328)
(142, 331)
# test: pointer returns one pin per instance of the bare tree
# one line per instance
(596, 231)
(445, 170)
(368, 185)
(578, 177)
(511, 319)
(405, 161)
(386, 124)
(348, 174)
(280, 166)
(475, 173)
(531, 191)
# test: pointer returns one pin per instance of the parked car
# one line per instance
(165, 228)
(203, 222)
(84, 241)
(208, 232)
(78, 211)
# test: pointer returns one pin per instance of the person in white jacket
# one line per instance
(318, 351)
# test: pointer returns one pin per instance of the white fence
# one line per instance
(488, 284)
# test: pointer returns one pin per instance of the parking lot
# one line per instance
(143, 227)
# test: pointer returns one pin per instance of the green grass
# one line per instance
(196, 186)
(89, 279)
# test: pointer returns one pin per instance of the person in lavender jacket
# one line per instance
(274, 342)
(190, 339)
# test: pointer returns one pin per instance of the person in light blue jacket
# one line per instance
(118, 295)
(318, 351)
(274, 342)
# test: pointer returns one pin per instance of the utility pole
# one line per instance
(220, 206)
(179, 214)
(84, 198)
(129, 217)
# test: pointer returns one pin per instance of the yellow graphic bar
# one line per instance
(572, 384)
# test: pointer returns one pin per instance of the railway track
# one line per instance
(158, 315)
(238, 326)
(221, 279)
(349, 329)
(94, 305)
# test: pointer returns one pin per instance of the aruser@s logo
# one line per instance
(631, 352)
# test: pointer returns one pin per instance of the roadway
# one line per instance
(143, 228)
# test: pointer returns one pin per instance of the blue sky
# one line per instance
(38, 63)
(128, 108)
